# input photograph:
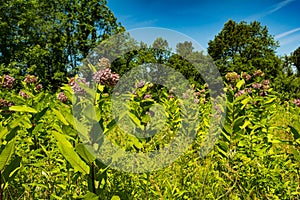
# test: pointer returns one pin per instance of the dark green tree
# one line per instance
(295, 59)
(50, 38)
(245, 47)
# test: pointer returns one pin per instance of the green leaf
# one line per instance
(136, 120)
(238, 122)
(71, 156)
(85, 153)
(6, 154)
(22, 109)
(240, 84)
(60, 116)
(9, 171)
(115, 198)
(295, 133)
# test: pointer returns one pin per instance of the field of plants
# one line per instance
(89, 112)
(44, 153)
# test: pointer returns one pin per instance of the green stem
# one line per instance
(93, 178)
(1, 192)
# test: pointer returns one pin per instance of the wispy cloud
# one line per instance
(281, 35)
(269, 11)
(293, 40)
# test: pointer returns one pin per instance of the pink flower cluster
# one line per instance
(75, 86)
(24, 95)
(297, 102)
(7, 81)
(232, 76)
(105, 77)
(30, 79)
(258, 73)
(103, 63)
(62, 97)
(4, 103)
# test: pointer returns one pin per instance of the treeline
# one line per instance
(51, 39)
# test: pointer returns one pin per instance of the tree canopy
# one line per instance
(50, 38)
(245, 47)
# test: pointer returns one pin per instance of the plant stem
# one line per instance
(1, 186)
(93, 178)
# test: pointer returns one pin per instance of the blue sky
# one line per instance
(203, 19)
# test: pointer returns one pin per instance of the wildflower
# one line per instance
(172, 90)
(62, 97)
(140, 84)
(185, 95)
(266, 82)
(75, 86)
(147, 96)
(5, 104)
(105, 77)
(7, 81)
(114, 79)
(30, 79)
(171, 96)
(263, 94)
(248, 90)
(197, 94)
(218, 109)
(103, 63)
(232, 76)
(39, 87)
(197, 101)
(256, 85)
(297, 102)
(258, 73)
(240, 93)
(24, 95)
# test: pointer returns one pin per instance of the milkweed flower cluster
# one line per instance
(258, 73)
(105, 77)
(104, 63)
(62, 97)
(232, 76)
(140, 84)
(147, 96)
(297, 102)
(39, 87)
(5, 104)
(75, 86)
(198, 95)
(30, 79)
(7, 81)
(246, 76)
(24, 95)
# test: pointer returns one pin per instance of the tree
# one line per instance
(245, 47)
(50, 38)
(295, 59)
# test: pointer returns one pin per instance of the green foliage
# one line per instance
(50, 38)
(245, 47)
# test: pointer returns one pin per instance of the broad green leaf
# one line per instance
(22, 109)
(9, 171)
(136, 120)
(86, 154)
(6, 154)
(60, 116)
(240, 84)
(71, 156)
(115, 198)
(238, 122)
(295, 133)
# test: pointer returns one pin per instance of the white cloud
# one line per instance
(281, 35)
(269, 11)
